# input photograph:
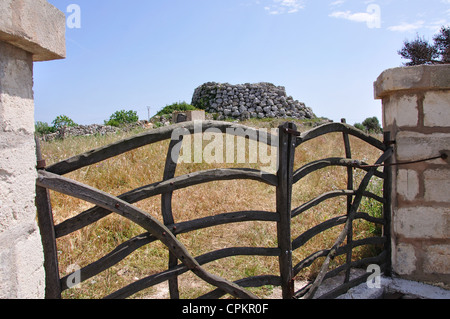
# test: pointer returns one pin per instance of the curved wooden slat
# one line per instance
(310, 233)
(314, 231)
(351, 215)
(111, 259)
(323, 163)
(227, 218)
(154, 136)
(343, 128)
(146, 221)
(147, 282)
(346, 286)
(128, 247)
(95, 214)
(340, 251)
(323, 197)
(178, 270)
(253, 282)
(378, 260)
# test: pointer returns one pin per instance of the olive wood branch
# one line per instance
(154, 136)
(153, 226)
(343, 235)
(340, 127)
(96, 213)
(130, 246)
(334, 161)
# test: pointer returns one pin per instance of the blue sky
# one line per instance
(139, 53)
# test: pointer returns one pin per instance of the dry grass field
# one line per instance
(145, 166)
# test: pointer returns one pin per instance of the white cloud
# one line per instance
(285, 6)
(436, 26)
(407, 27)
(337, 3)
(348, 15)
(372, 17)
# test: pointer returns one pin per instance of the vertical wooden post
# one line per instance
(47, 229)
(348, 154)
(387, 211)
(166, 206)
(287, 143)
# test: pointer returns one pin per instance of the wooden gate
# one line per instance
(180, 260)
(344, 244)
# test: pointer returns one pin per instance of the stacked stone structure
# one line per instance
(244, 101)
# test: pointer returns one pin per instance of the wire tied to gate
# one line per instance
(443, 156)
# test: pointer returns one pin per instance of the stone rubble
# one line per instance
(222, 100)
(93, 129)
(244, 101)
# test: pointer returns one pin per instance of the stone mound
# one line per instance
(244, 101)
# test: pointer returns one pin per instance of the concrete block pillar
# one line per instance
(416, 110)
(30, 30)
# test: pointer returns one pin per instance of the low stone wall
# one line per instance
(93, 129)
(416, 110)
(246, 101)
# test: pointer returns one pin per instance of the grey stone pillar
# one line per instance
(416, 110)
(30, 30)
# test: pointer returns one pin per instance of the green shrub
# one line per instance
(122, 117)
(370, 125)
(373, 207)
(180, 106)
(62, 121)
(359, 126)
(42, 128)
(373, 125)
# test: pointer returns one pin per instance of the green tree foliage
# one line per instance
(370, 125)
(42, 128)
(420, 51)
(359, 126)
(122, 117)
(442, 44)
(63, 121)
(180, 106)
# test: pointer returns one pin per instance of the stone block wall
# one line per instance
(30, 30)
(188, 116)
(416, 110)
(19, 234)
(244, 101)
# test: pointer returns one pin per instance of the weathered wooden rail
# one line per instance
(180, 260)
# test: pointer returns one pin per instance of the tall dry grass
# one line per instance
(145, 166)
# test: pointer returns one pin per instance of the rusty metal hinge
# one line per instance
(41, 165)
(291, 131)
(389, 143)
